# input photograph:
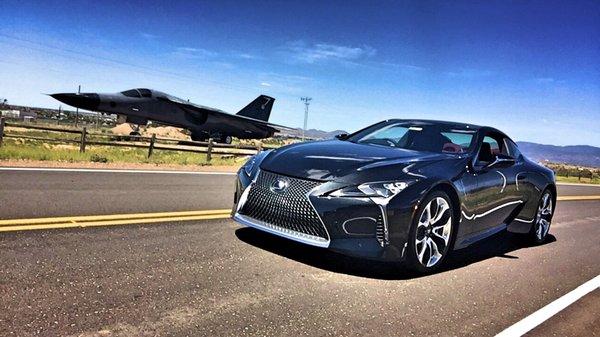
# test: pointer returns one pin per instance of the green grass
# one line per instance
(36, 150)
(595, 180)
(106, 136)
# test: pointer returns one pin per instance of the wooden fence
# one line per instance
(152, 143)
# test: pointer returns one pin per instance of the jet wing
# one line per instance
(237, 119)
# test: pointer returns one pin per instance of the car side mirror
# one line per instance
(342, 136)
(501, 160)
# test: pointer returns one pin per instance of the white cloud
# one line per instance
(470, 73)
(223, 65)
(149, 36)
(193, 53)
(407, 68)
(285, 83)
(247, 56)
(327, 52)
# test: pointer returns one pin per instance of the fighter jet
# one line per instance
(139, 106)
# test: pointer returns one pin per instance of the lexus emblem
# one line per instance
(279, 186)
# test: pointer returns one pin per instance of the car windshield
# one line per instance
(430, 137)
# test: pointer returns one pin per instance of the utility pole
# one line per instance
(306, 101)
(77, 109)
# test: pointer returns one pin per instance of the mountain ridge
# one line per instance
(582, 155)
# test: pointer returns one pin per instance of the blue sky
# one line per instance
(531, 69)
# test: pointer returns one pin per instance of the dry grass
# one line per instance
(17, 149)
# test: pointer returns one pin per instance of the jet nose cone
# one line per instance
(82, 101)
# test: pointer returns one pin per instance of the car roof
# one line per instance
(431, 121)
(457, 125)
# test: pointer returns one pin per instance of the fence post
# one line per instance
(82, 142)
(1, 129)
(209, 150)
(151, 147)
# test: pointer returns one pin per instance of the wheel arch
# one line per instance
(450, 190)
(552, 188)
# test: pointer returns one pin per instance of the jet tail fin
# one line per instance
(259, 109)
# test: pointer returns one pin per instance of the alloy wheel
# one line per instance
(544, 216)
(433, 232)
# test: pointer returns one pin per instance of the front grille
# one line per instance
(290, 210)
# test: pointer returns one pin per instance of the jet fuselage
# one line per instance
(142, 105)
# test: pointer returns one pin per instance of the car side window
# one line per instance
(494, 147)
(491, 146)
(512, 148)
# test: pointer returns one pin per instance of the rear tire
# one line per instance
(198, 137)
(543, 218)
(431, 233)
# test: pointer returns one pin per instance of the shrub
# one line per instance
(96, 158)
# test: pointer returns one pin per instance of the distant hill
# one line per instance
(583, 155)
(314, 133)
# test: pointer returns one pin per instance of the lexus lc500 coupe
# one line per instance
(411, 190)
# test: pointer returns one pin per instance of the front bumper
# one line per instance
(283, 232)
(354, 226)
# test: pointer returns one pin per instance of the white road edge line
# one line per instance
(47, 169)
(578, 184)
(528, 323)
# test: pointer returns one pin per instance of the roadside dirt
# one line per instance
(125, 166)
(159, 131)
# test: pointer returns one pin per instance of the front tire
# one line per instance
(199, 136)
(226, 139)
(543, 218)
(431, 233)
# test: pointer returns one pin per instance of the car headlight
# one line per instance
(385, 189)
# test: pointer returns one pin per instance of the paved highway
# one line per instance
(31, 194)
(213, 277)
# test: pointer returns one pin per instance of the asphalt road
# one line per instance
(206, 278)
(31, 194)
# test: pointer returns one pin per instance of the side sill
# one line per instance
(472, 238)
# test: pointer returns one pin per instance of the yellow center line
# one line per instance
(578, 197)
(88, 218)
(147, 218)
(113, 222)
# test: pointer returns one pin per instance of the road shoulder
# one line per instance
(120, 166)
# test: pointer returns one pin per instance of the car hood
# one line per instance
(345, 161)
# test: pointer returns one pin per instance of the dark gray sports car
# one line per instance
(399, 189)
